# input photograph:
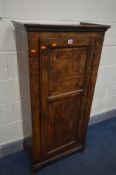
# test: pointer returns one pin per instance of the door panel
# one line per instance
(63, 123)
(65, 70)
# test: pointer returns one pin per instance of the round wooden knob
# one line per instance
(43, 47)
(54, 44)
(33, 50)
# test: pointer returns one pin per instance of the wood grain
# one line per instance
(63, 65)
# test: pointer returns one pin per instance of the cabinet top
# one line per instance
(61, 27)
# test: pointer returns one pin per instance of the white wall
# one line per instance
(99, 11)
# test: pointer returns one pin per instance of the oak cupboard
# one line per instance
(58, 67)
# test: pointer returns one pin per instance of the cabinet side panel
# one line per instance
(24, 82)
(33, 50)
(87, 102)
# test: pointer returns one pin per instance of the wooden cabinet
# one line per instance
(58, 67)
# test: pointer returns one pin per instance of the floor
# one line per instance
(99, 157)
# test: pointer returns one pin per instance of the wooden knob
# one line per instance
(33, 50)
(54, 44)
(43, 47)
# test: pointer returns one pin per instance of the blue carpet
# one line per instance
(99, 157)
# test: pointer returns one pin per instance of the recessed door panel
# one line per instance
(66, 69)
(63, 121)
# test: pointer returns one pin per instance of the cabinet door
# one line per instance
(65, 73)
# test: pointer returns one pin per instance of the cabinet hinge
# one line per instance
(44, 114)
